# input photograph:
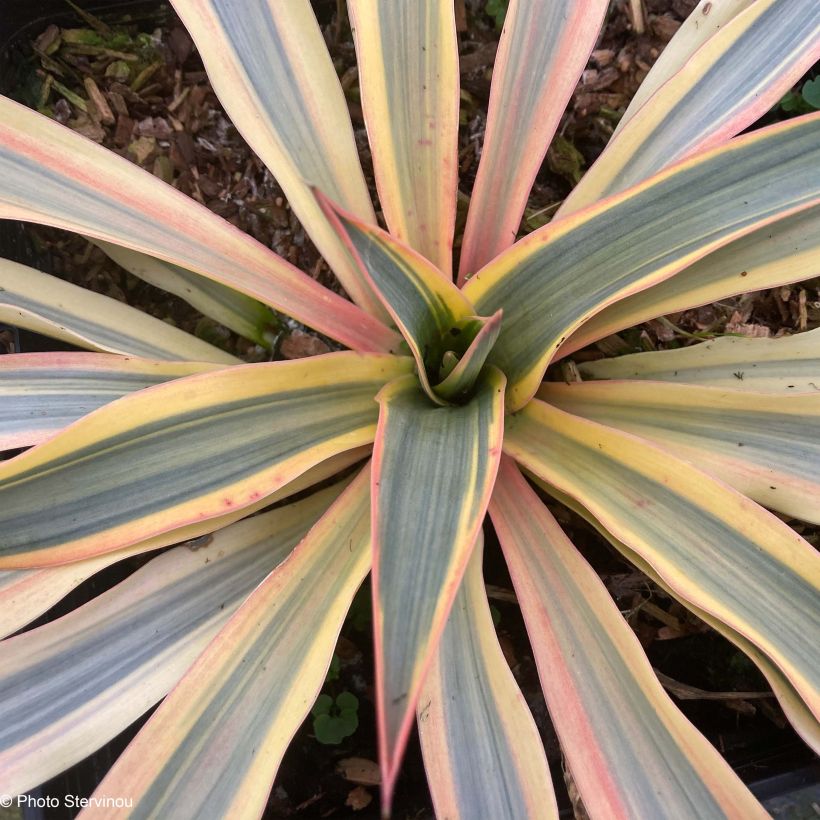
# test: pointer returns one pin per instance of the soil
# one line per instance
(149, 99)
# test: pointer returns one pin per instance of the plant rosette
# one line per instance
(155, 438)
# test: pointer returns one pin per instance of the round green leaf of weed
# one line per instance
(347, 701)
(322, 705)
(811, 92)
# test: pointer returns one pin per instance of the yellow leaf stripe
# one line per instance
(630, 750)
(408, 78)
(711, 545)
(185, 452)
(250, 690)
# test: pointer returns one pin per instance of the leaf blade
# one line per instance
(243, 315)
(737, 562)
(542, 51)
(630, 750)
(41, 393)
(53, 176)
(482, 751)
(779, 254)
(764, 446)
(237, 435)
(638, 238)
(787, 365)
(270, 68)
(409, 80)
(716, 94)
(253, 686)
(36, 301)
(27, 593)
(73, 684)
(433, 469)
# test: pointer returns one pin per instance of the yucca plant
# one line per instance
(158, 438)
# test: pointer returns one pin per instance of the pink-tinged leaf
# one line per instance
(713, 547)
(482, 751)
(433, 471)
(27, 593)
(269, 65)
(764, 445)
(183, 452)
(52, 175)
(543, 49)
(631, 752)
(409, 82)
(41, 393)
(425, 305)
(71, 685)
(213, 747)
(717, 93)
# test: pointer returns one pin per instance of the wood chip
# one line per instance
(96, 96)
(359, 798)
(360, 770)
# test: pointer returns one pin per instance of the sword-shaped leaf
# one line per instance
(433, 470)
(711, 545)
(765, 446)
(40, 393)
(48, 305)
(796, 711)
(408, 77)
(554, 279)
(717, 93)
(429, 310)
(543, 49)
(73, 684)
(630, 750)
(26, 594)
(184, 452)
(51, 175)
(270, 67)
(703, 22)
(250, 690)
(787, 365)
(778, 254)
(240, 313)
(482, 751)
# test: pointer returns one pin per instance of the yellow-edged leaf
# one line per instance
(630, 750)
(433, 470)
(409, 83)
(711, 545)
(184, 452)
(482, 751)
(249, 691)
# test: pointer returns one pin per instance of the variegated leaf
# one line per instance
(251, 688)
(711, 545)
(184, 452)
(433, 470)
(554, 279)
(51, 175)
(270, 67)
(48, 305)
(482, 751)
(787, 365)
(544, 47)
(73, 684)
(630, 750)
(765, 446)
(720, 90)
(409, 82)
